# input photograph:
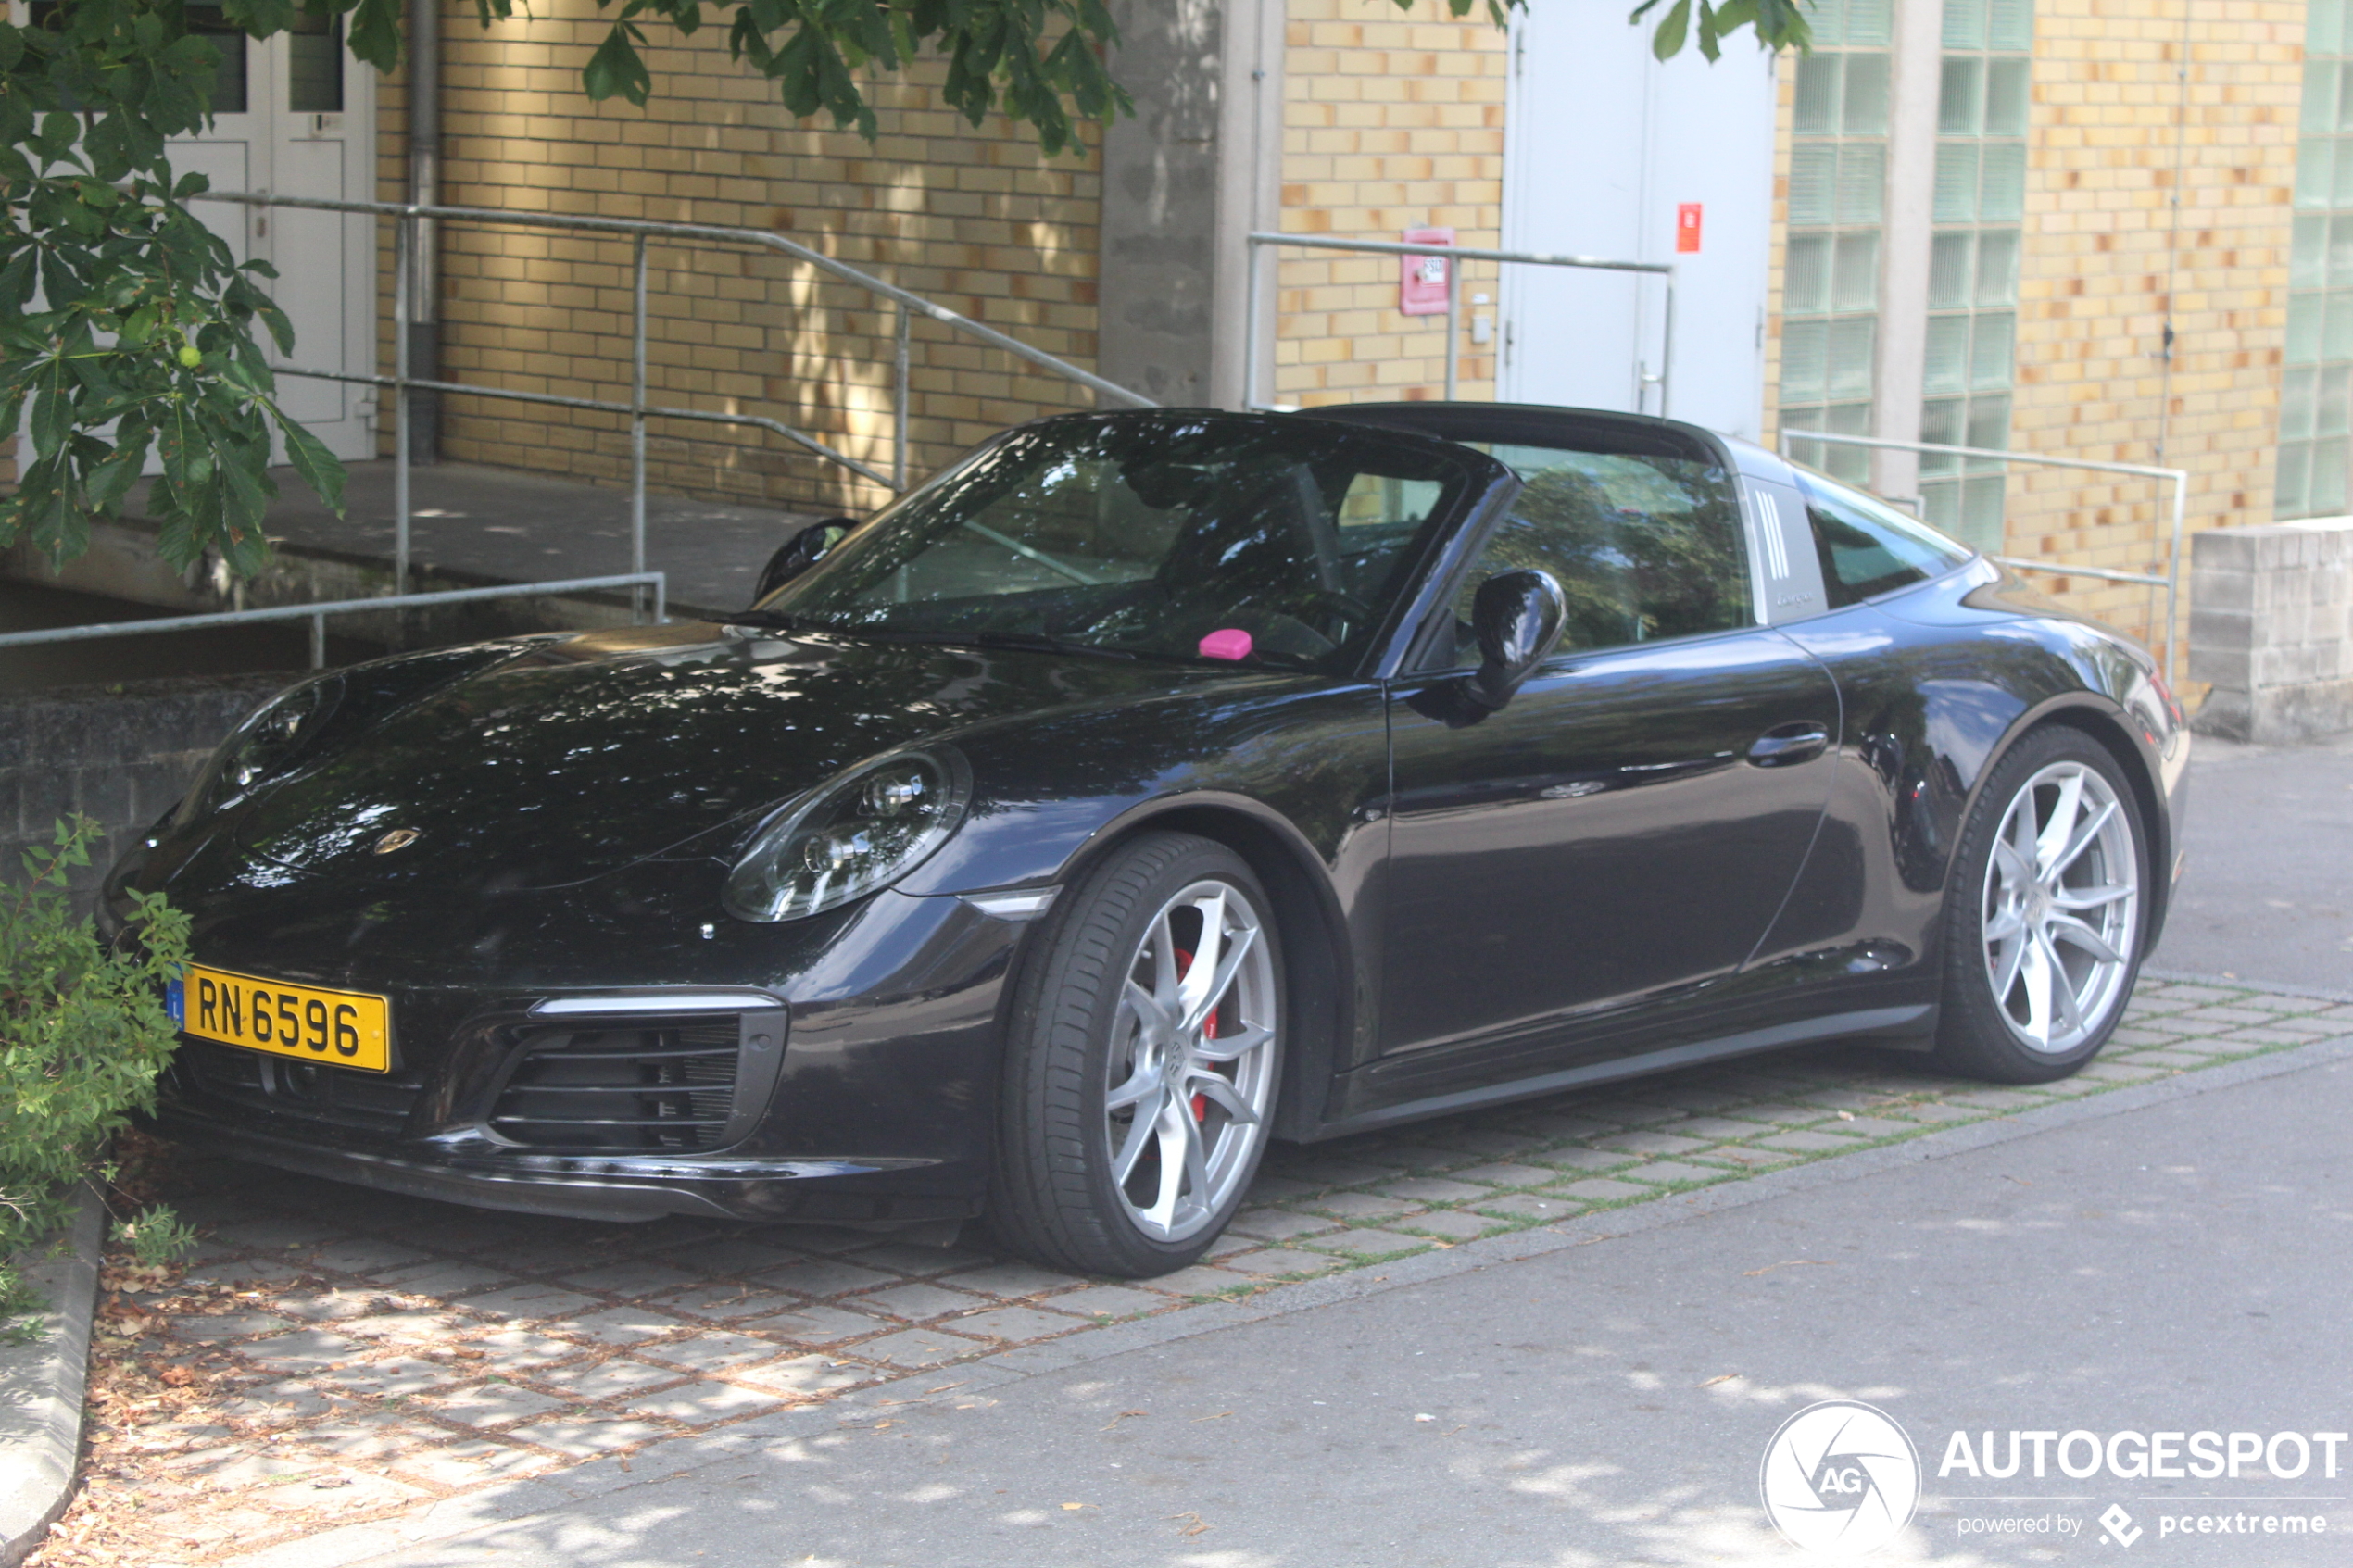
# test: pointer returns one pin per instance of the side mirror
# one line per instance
(1518, 616)
(799, 553)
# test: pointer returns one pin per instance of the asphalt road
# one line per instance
(2267, 893)
(2127, 1269)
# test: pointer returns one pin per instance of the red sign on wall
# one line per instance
(1421, 283)
(1687, 227)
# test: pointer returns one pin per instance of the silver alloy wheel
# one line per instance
(1192, 1069)
(2061, 907)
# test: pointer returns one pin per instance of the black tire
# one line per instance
(1983, 1036)
(1052, 1195)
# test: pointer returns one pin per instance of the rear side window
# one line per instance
(1645, 548)
(1868, 549)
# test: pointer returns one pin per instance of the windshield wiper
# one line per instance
(1024, 642)
(768, 619)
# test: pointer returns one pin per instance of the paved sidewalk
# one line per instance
(2267, 893)
(336, 1355)
(2171, 1259)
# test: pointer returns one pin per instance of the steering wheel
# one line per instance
(1331, 609)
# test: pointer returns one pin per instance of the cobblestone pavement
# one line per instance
(332, 1354)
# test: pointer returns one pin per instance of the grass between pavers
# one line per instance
(1746, 1109)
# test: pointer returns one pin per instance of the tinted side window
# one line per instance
(1645, 548)
(1868, 549)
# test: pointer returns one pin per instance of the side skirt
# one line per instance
(1874, 1021)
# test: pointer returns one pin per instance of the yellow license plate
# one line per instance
(347, 1028)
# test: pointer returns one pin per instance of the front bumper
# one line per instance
(850, 1192)
(859, 1091)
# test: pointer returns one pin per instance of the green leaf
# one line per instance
(319, 469)
(110, 481)
(52, 413)
(1666, 41)
(15, 281)
(615, 69)
(373, 30)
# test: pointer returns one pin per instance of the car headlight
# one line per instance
(863, 830)
(264, 745)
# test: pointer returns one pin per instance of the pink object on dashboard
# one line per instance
(1229, 643)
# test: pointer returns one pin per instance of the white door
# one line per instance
(1604, 146)
(292, 117)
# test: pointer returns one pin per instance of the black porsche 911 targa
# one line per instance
(1149, 786)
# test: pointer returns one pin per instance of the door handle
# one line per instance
(1785, 746)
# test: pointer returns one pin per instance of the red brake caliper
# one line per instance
(1208, 1029)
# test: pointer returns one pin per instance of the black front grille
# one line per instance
(658, 1087)
(377, 1102)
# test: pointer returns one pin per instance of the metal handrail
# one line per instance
(2171, 582)
(316, 613)
(408, 215)
(1259, 240)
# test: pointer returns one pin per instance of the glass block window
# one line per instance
(1829, 278)
(1980, 200)
(2316, 412)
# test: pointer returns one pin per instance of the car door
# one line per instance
(1625, 828)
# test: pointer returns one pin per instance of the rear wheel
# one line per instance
(2044, 913)
(1142, 1067)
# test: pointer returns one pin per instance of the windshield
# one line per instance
(1195, 536)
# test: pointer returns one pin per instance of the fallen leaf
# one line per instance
(1219, 1416)
(1788, 1263)
(1714, 1381)
(1075, 1507)
(1122, 1415)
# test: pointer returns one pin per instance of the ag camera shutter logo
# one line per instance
(1839, 1479)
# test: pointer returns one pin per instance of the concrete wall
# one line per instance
(2271, 627)
(120, 754)
(1159, 231)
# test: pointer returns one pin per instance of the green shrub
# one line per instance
(158, 1237)
(82, 1032)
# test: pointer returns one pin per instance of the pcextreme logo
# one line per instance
(1839, 1479)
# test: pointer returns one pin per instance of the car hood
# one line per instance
(580, 755)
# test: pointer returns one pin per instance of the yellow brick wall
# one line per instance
(2101, 253)
(977, 219)
(1392, 120)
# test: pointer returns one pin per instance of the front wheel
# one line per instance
(2044, 913)
(1142, 1065)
